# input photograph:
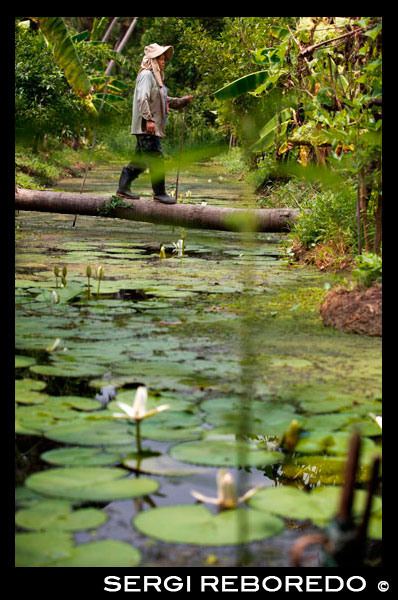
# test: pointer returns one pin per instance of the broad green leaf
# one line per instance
(224, 453)
(241, 86)
(161, 465)
(267, 133)
(24, 361)
(66, 57)
(197, 525)
(95, 484)
(320, 505)
(38, 549)
(93, 432)
(101, 553)
(373, 33)
(57, 515)
(82, 457)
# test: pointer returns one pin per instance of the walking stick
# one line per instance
(180, 151)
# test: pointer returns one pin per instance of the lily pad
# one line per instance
(197, 525)
(327, 470)
(101, 553)
(23, 361)
(224, 452)
(162, 465)
(92, 432)
(320, 505)
(264, 418)
(23, 385)
(56, 549)
(170, 433)
(331, 442)
(27, 391)
(25, 497)
(78, 402)
(95, 484)
(64, 369)
(82, 457)
(38, 549)
(57, 515)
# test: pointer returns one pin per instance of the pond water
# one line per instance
(229, 336)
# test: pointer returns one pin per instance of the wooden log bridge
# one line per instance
(194, 216)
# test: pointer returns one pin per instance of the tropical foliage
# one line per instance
(301, 95)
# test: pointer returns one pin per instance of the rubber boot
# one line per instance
(125, 180)
(160, 195)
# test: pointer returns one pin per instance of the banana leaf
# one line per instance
(241, 86)
(267, 133)
(65, 55)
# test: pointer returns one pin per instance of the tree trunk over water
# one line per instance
(182, 215)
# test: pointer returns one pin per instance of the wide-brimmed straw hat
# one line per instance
(154, 50)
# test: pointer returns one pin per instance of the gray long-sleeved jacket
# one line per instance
(148, 104)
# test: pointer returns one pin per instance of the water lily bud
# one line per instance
(100, 272)
(181, 198)
(56, 297)
(173, 193)
(88, 271)
(226, 489)
(64, 271)
(291, 436)
(139, 406)
(189, 194)
(54, 345)
(162, 253)
(377, 419)
(63, 280)
(56, 271)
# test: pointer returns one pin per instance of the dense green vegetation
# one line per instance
(299, 98)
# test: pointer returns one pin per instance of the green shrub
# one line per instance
(233, 160)
(368, 269)
(327, 215)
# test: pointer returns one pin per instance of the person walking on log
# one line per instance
(150, 107)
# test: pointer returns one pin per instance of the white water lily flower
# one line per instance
(138, 410)
(376, 419)
(188, 194)
(55, 296)
(226, 494)
(203, 203)
(179, 247)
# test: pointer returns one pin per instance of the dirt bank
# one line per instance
(355, 311)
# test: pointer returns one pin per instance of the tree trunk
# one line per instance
(363, 197)
(180, 215)
(121, 44)
(378, 225)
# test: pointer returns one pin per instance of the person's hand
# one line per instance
(150, 127)
(189, 98)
